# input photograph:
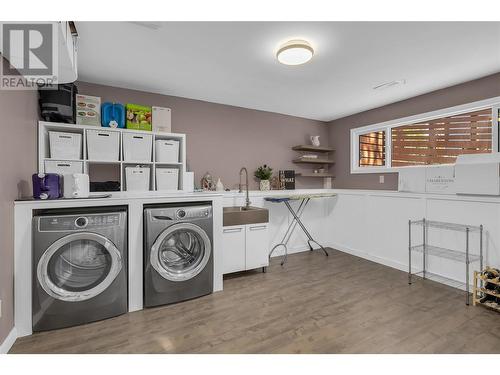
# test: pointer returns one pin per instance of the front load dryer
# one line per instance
(79, 267)
(178, 256)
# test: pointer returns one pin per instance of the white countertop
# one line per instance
(122, 197)
(386, 193)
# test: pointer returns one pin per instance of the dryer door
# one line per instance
(181, 252)
(79, 266)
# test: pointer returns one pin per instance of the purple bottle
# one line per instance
(46, 186)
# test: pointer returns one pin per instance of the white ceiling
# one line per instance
(233, 62)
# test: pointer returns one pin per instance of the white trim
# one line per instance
(9, 341)
(387, 126)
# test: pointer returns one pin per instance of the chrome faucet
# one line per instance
(247, 201)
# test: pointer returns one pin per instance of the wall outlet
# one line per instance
(381, 179)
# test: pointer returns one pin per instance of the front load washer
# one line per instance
(178, 256)
(79, 267)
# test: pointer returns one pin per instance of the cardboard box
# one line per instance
(478, 174)
(139, 117)
(88, 110)
(440, 180)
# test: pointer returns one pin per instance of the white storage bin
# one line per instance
(137, 178)
(63, 167)
(65, 145)
(137, 147)
(167, 179)
(103, 145)
(167, 151)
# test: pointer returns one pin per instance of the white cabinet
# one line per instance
(256, 254)
(67, 52)
(245, 247)
(234, 248)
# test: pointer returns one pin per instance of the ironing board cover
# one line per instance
(294, 197)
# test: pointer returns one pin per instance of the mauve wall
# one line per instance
(221, 139)
(19, 110)
(339, 130)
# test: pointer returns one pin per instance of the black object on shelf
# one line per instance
(287, 179)
(104, 186)
(58, 104)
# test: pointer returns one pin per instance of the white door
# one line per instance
(78, 266)
(233, 240)
(257, 249)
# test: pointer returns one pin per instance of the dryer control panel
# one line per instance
(193, 213)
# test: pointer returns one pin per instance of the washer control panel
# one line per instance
(77, 222)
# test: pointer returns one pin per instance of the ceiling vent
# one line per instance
(148, 25)
(387, 85)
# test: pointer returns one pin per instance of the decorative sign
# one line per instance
(287, 179)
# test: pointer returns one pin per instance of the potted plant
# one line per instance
(264, 173)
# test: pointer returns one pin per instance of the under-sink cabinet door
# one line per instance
(257, 240)
(233, 240)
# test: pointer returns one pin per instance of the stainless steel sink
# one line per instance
(237, 215)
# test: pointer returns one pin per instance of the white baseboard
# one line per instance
(9, 341)
(373, 258)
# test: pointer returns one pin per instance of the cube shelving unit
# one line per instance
(44, 151)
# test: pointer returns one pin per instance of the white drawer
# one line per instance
(63, 167)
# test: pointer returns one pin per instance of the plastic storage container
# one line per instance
(137, 147)
(167, 179)
(65, 145)
(63, 167)
(137, 178)
(103, 145)
(167, 151)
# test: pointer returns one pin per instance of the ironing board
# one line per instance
(304, 200)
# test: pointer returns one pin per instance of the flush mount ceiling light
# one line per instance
(295, 52)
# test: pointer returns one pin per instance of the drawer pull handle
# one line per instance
(138, 137)
(260, 227)
(63, 165)
(233, 230)
(103, 134)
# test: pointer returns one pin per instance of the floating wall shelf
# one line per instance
(322, 160)
(313, 161)
(309, 148)
(312, 174)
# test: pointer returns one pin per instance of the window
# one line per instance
(372, 149)
(432, 138)
(441, 140)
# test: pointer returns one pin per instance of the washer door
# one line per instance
(181, 252)
(79, 266)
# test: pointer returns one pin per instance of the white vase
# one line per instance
(265, 185)
(219, 186)
(315, 140)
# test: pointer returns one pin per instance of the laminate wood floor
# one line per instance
(314, 304)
